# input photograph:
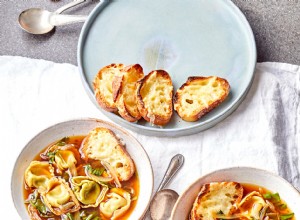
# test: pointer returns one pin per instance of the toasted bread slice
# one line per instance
(154, 97)
(199, 95)
(217, 198)
(102, 144)
(103, 86)
(124, 92)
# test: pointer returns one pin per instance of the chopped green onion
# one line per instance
(51, 156)
(267, 196)
(95, 171)
(272, 196)
(62, 141)
(70, 216)
(40, 206)
(286, 216)
(276, 197)
(282, 206)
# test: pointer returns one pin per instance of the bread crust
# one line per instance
(208, 193)
(124, 90)
(102, 144)
(103, 87)
(144, 88)
(181, 104)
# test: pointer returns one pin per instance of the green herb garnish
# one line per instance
(63, 141)
(274, 197)
(286, 216)
(40, 206)
(267, 195)
(282, 206)
(51, 156)
(70, 216)
(94, 171)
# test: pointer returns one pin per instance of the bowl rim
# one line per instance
(92, 119)
(249, 168)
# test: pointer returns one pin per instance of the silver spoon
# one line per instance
(162, 204)
(162, 194)
(40, 21)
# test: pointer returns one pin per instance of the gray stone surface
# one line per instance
(275, 23)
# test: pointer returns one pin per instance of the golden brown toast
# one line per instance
(103, 86)
(154, 97)
(217, 198)
(102, 144)
(124, 92)
(199, 95)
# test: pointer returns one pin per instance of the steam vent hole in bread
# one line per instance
(199, 95)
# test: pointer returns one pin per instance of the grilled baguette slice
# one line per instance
(154, 97)
(103, 86)
(124, 92)
(215, 199)
(102, 144)
(199, 95)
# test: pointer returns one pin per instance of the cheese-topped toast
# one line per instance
(154, 97)
(124, 92)
(103, 86)
(217, 198)
(102, 144)
(199, 95)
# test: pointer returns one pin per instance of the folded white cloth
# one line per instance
(263, 132)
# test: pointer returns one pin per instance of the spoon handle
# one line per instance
(175, 164)
(57, 20)
(70, 5)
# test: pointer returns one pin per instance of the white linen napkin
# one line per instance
(264, 131)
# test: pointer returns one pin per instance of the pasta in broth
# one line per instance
(61, 184)
(231, 200)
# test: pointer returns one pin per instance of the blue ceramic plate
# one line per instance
(186, 38)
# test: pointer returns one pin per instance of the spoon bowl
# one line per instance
(162, 204)
(36, 21)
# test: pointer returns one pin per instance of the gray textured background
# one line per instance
(275, 23)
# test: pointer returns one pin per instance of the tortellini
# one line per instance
(117, 204)
(65, 159)
(59, 198)
(38, 174)
(87, 191)
(252, 205)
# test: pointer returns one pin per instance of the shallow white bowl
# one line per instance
(249, 175)
(82, 127)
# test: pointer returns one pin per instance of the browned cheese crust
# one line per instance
(124, 92)
(102, 144)
(103, 86)
(199, 95)
(216, 197)
(154, 97)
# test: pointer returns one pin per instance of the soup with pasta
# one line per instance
(232, 200)
(82, 178)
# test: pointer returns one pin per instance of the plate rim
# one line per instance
(167, 132)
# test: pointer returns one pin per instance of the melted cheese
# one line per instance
(156, 95)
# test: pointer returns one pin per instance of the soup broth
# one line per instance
(241, 201)
(34, 200)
